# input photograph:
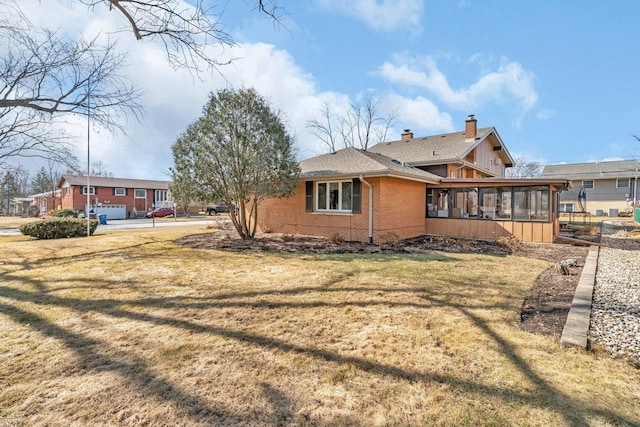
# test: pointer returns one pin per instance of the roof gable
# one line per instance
(438, 149)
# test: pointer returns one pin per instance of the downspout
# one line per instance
(370, 207)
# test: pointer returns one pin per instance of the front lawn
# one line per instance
(130, 329)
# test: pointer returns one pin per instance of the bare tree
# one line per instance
(524, 168)
(360, 126)
(44, 76)
(323, 128)
(186, 30)
(44, 79)
(99, 168)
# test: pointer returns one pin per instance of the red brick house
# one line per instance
(118, 198)
(451, 184)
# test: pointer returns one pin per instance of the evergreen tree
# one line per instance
(238, 152)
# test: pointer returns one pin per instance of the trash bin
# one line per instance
(102, 218)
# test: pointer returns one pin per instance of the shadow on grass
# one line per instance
(138, 373)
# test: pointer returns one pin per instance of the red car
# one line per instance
(160, 213)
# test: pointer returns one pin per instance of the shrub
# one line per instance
(58, 228)
(337, 239)
(511, 243)
(64, 213)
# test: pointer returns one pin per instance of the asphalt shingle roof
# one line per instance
(352, 161)
(439, 149)
(594, 170)
(101, 181)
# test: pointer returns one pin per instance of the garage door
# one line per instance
(113, 211)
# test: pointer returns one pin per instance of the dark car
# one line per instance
(217, 208)
(160, 213)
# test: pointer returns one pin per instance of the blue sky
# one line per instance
(558, 80)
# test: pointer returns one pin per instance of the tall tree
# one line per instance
(8, 191)
(239, 152)
(182, 191)
(44, 78)
(360, 126)
(187, 30)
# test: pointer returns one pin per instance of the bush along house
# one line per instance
(450, 185)
(118, 198)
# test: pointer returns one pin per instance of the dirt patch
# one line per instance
(544, 312)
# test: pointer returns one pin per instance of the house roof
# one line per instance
(350, 162)
(101, 181)
(439, 149)
(561, 183)
(594, 170)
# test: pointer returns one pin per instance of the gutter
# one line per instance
(370, 207)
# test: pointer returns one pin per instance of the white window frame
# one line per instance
(327, 196)
(92, 190)
(623, 186)
(136, 192)
(564, 206)
(585, 185)
(119, 191)
(162, 195)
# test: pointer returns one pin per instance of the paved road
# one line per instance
(136, 224)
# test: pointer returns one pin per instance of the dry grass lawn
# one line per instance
(128, 329)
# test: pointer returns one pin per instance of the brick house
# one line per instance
(609, 188)
(118, 198)
(451, 184)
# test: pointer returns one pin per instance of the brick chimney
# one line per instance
(407, 135)
(471, 128)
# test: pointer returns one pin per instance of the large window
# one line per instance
(566, 207)
(531, 203)
(92, 190)
(495, 203)
(438, 202)
(334, 196)
(622, 183)
(464, 203)
(162, 195)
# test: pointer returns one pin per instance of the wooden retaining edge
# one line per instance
(573, 239)
(576, 328)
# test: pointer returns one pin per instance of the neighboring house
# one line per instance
(609, 187)
(47, 201)
(118, 198)
(450, 184)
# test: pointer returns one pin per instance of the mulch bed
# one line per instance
(544, 312)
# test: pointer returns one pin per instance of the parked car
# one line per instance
(217, 208)
(160, 213)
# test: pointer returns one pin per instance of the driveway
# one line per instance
(140, 223)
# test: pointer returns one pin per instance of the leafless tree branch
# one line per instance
(45, 78)
(187, 31)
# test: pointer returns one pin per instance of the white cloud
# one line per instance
(174, 98)
(509, 83)
(545, 114)
(381, 15)
(420, 115)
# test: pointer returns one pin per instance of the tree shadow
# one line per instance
(139, 375)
